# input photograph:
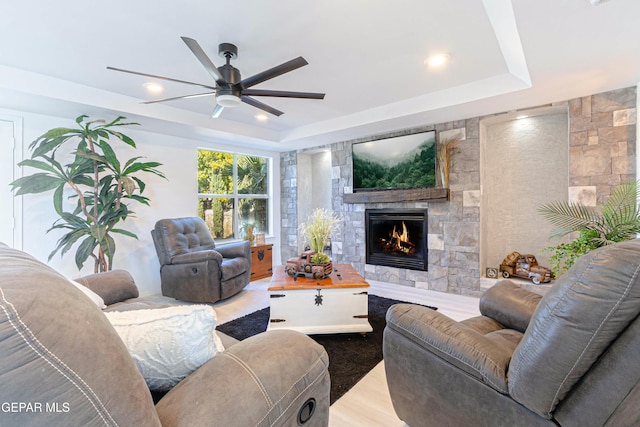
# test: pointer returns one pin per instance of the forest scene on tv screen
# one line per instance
(407, 161)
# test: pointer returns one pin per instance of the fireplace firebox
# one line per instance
(397, 238)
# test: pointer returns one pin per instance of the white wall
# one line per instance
(174, 197)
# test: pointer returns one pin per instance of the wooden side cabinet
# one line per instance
(261, 261)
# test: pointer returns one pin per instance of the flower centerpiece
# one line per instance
(317, 230)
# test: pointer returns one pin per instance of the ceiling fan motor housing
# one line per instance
(228, 50)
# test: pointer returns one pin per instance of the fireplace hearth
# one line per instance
(397, 238)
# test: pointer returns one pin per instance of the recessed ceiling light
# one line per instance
(261, 117)
(437, 60)
(153, 87)
(521, 117)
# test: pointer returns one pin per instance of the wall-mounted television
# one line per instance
(407, 161)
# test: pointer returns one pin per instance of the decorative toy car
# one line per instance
(302, 266)
(525, 266)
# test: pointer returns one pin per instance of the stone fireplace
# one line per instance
(602, 152)
(396, 238)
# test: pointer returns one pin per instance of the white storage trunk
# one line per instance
(321, 310)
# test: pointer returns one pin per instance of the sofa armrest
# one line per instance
(453, 342)
(113, 286)
(235, 250)
(509, 304)
(198, 256)
(264, 380)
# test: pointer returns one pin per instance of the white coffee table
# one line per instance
(337, 304)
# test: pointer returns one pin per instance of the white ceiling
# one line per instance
(366, 55)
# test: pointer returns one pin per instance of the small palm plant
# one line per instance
(317, 230)
(615, 221)
(98, 181)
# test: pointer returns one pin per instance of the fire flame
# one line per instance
(401, 240)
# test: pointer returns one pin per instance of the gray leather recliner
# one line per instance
(193, 268)
(570, 358)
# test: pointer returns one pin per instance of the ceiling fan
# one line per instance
(230, 90)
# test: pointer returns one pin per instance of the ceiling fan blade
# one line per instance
(217, 111)
(160, 77)
(283, 93)
(204, 60)
(274, 72)
(197, 95)
(261, 105)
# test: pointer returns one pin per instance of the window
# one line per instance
(233, 191)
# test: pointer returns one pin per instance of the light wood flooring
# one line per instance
(368, 403)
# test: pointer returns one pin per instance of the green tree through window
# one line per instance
(232, 191)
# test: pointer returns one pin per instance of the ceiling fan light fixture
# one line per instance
(228, 101)
(153, 87)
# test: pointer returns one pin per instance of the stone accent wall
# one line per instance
(602, 154)
(602, 144)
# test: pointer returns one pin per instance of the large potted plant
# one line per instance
(618, 219)
(98, 181)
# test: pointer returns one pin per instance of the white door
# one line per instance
(9, 206)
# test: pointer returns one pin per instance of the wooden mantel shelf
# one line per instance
(391, 196)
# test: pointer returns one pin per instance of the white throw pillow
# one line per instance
(97, 299)
(169, 343)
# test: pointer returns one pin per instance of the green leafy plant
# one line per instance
(618, 219)
(98, 181)
(317, 230)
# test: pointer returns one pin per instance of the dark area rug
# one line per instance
(351, 356)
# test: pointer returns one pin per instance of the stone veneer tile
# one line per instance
(586, 106)
(624, 117)
(612, 134)
(579, 181)
(435, 242)
(601, 120)
(471, 198)
(619, 149)
(579, 138)
(590, 160)
(606, 180)
(584, 195)
(614, 100)
(457, 133)
(623, 165)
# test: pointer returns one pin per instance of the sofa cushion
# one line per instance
(58, 349)
(113, 286)
(267, 379)
(177, 236)
(233, 267)
(456, 343)
(95, 298)
(584, 312)
(169, 343)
